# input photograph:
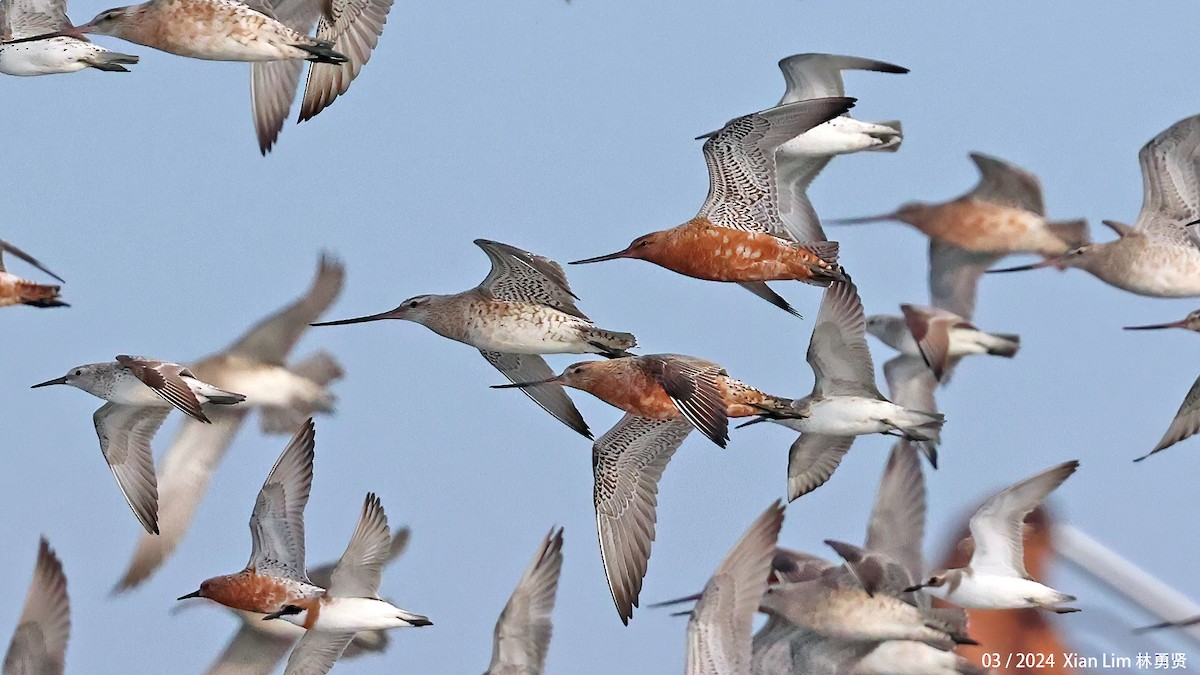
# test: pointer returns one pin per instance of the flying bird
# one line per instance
(813, 76)
(996, 577)
(17, 291)
(139, 394)
(523, 308)
(739, 235)
(1158, 257)
(940, 338)
(285, 395)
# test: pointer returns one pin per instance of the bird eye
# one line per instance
(78, 373)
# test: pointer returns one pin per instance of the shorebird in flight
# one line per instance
(17, 291)
(1157, 257)
(285, 395)
(523, 308)
(522, 635)
(739, 235)
(139, 394)
(272, 34)
(813, 76)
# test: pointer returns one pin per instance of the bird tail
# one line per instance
(111, 61)
(1073, 233)
(222, 397)
(321, 369)
(891, 142)
(415, 620)
(826, 269)
(950, 620)
(1003, 344)
(611, 343)
(39, 295)
(322, 52)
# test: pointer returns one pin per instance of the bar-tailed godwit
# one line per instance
(522, 635)
(996, 577)
(667, 387)
(738, 236)
(1157, 257)
(17, 291)
(139, 394)
(524, 308)
(272, 34)
(812, 76)
(28, 18)
(39, 644)
(285, 394)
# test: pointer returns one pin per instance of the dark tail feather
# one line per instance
(111, 61)
(323, 52)
(1006, 350)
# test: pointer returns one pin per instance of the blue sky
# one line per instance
(567, 130)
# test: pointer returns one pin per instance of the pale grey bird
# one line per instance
(140, 392)
(1157, 258)
(285, 395)
(39, 644)
(845, 401)
(522, 635)
(996, 577)
(523, 308)
(28, 18)
(939, 337)
(810, 76)
(720, 630)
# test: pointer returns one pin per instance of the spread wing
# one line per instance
(954, 275)
(186, 470)
(125, 432)
(522, 635)
(897, 525)
(552, 397)
(1185, 424)
(794, 174)
(271, 339)
(354, 28)
(359, 570)
(251, 652)
(273, 84)
(838, 351)
(39, 645)
(741, 164)
(911, 384)
(720, 631)
(277, 523)
(998, 526)
(810, 76)
(812, 459)
(1006, 184)
(316, 652)
(627, 463)
(1171, 181)
(520, 276)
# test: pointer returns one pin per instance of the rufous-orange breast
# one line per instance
(250, 591)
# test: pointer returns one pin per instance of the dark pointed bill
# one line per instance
(913, 589)
(601, 258)
(390, 314)
(861, 219)
(1049, 262)
(522, 385)
(47, 383)
(193, 594)
(1156, 326)
(72, 31)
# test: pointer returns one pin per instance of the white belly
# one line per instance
(839, 136)
(904, 657)
(849, 416)
(128, 390)
(988, 591)
(345, 615)
(273, 386)
(45, 57)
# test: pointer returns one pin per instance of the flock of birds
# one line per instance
(870, 611)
